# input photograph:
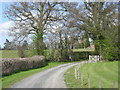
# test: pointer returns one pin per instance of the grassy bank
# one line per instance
(106, 71)
(7, 81)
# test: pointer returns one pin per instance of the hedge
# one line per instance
(12, 65)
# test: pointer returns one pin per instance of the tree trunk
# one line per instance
(40, 46)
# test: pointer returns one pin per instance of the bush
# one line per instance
(12, 65)
(21, 51)
(87, 43)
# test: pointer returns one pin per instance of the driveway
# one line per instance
(50, 78)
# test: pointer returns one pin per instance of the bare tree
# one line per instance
(34, 18)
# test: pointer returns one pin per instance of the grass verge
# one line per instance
(106, 71)
(7, 81)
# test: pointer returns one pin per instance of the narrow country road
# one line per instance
(50, 78)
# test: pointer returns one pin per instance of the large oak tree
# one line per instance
(33, 18)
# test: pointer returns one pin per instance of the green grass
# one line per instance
(107, 71)
(14, 53)
(9, 54)
(30, 53)
(84, 50)
(7, 81)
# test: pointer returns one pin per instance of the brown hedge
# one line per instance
(12, 65)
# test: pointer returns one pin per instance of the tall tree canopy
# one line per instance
(100, 21)
(96, 20)
(33, 18)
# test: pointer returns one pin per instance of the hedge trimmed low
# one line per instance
(12, 65)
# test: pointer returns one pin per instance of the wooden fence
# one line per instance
(79, 76)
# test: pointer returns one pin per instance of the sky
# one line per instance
(5, 24)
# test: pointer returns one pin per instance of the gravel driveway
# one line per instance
(50, 78)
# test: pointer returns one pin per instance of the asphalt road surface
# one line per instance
(50, 78)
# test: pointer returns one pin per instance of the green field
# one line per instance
(84, 50)
(106, 71)
(30, 53)
(14, 53)
(7, 81)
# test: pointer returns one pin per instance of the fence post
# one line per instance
(114, 84)
(75, 73)
(78, 74)
(81, 79)
(88, 80)
(100, 83)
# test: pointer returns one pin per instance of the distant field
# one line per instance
(106, 71)
(14, 53)
(29, 53)
(84, 50)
